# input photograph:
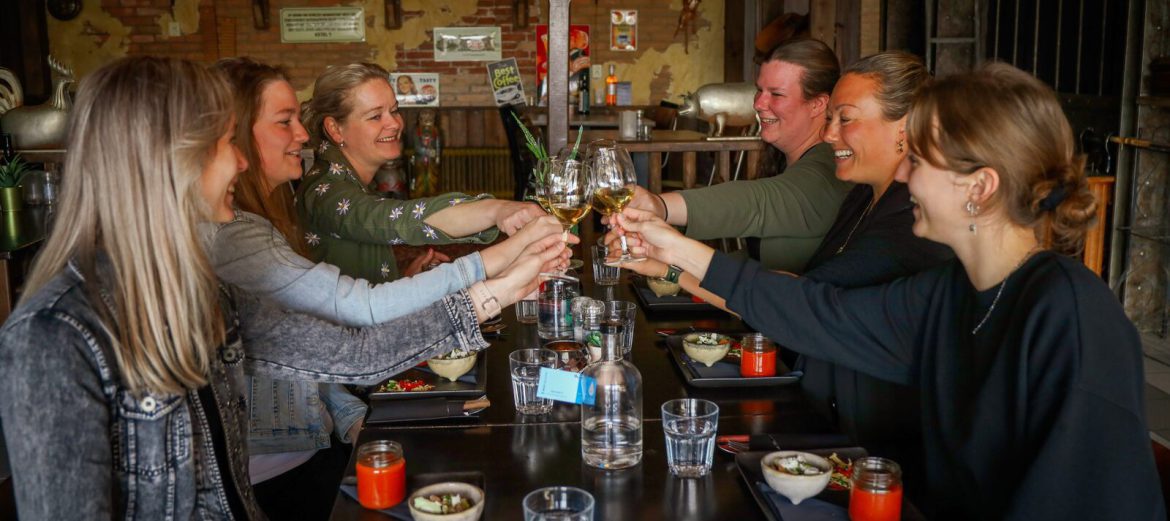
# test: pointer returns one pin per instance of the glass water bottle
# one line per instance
(611, 428)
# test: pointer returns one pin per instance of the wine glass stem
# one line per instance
(625, 247)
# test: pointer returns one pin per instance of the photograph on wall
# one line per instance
(623, 30)
(507, 85)
(416, 89)
(481, 44)
(578, 55)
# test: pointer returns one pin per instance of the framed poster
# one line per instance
(623, 30)
(480, 44)
(578, 54)
(507, 86)
(416, 89)
(322, 24)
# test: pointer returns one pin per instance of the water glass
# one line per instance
(558, 503)
(525, 366)
(526, 311)
(690, 425)
(603, 274)
(554, 312)
(621, 312)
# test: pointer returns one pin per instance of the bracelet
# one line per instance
(665, 209)
(487, 302)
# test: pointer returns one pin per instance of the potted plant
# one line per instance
(11, 175)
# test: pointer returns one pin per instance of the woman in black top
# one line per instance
(1030, 373)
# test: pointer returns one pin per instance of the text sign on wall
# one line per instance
(322, 24)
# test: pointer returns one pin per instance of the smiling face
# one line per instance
(940, 197)
(787, 119)
(372, 129)
(278, 134)
(864, 142)
(405, 85)
(218, 180)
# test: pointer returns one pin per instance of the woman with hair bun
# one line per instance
(1029, 371)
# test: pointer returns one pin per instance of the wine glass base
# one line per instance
(627, 258)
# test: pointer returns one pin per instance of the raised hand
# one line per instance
(521, 277)
(511, 216)
(647, 234)
(497, 257)
(424, 262)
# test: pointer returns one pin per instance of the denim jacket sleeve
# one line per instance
(251, 254)
(345, 408)
(292, 346)
(69, 471)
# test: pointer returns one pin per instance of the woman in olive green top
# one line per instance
(356, 128)
(791, 212)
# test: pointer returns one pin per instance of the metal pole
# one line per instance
(1016, 36)
(998, 17)
(1080, 45)
(930, 35)
(558, 75)
(1059, 22)
(1036, 38)
(1119, 244)
(1101, 61)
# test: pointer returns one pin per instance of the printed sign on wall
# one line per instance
(322, 24)
(479, 44)
(507, 86)
(416, 89)
(623, 30)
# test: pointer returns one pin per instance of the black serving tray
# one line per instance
(443, 387)
(653, 303)
(726, 372)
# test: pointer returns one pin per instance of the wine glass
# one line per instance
(614, 179)
(568, 192)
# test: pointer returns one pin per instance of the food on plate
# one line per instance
(662, 287)
(842, 472)
(796, 465)
(408, 385)
(706, 348)
(454, 364)
(442, 504)
(796, 475)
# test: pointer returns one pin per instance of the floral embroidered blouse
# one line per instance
(349, 225)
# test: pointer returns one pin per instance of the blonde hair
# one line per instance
(1019, 129)
(248, 79)
(900, 77)
(333, 95)
(141, 131)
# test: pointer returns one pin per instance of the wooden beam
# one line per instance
(558, 75)
(822, 21)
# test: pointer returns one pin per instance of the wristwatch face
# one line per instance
(64, 9)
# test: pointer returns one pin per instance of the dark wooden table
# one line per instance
(518, 453)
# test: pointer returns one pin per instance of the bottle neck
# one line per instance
(611, 343)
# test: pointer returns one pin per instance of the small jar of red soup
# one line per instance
(381, 474)
(876, 494)
(757, 356)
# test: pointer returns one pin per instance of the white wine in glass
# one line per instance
(568, 192)
(614, 179)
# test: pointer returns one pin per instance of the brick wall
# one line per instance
(211, 29)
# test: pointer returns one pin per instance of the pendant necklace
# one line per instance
(855, 225)
(999, 292)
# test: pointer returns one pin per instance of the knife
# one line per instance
(783, 441)
(423, 409)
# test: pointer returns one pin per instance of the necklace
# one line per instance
(999, 292)
(855, 225)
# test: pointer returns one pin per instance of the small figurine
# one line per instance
(686, 22)
(427, 148)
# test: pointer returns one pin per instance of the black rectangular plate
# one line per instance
(784, 376)
(749, 468)
(651, 302)
(443, 387)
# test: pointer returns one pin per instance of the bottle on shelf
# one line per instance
(583, 99)
(7, 154)
(611, 87)
(611, 428)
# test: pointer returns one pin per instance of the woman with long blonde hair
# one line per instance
(121, 368)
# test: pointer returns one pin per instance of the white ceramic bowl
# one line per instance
(796, 488)
(662, 287)
(452, 368)
(703, 353)
(472, 493)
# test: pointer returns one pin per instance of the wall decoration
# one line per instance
(507, 85)
(416, 89)
(322, 24)
(467, 44)
(578, 55)
(686, 23)
(623, 29)
(393, 10)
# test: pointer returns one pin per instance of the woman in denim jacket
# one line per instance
(121, 372)
(295, 465)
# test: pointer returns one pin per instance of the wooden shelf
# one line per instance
(1154, 101)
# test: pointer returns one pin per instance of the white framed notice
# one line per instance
(467, 44)
(322, 24)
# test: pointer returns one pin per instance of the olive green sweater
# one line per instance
(790, 212)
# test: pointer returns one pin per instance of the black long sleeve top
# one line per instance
(1039, 415)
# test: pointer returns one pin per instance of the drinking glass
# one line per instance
(604, 274)
(876, 494)
(568, 191)
(525, 367)
(690, 425)
(558, 503)
(526, 311)
(614, 179)
(622, 313)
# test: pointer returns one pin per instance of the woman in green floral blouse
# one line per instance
(355, 127)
